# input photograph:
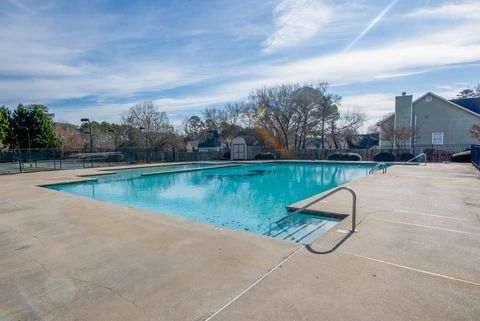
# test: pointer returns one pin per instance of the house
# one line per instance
(192, 146)
(244, 148)
(429, 120)
(363, 141)
(210, 146)
(212, 143)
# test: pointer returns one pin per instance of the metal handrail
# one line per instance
(384, 170)
(322, 197)
(424, 159)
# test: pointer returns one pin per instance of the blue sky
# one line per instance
(95, 58)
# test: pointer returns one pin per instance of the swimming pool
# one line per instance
(244, 197)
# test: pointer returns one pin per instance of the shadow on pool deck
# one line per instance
(416, 256)
(333, 249)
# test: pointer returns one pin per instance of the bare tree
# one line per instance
(328, 113)
(344, 129)
(373, 130)
(212, 118)
(308, 103)
(472, 92)
(405, 134)
(398, 136)
(155, 123)
(475, 132)
(68, 136)
(247, 116)
(194, 128)
(274, 109)
(231, 114)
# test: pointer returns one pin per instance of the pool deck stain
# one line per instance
(416, 256)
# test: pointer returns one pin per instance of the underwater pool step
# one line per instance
(302, 228)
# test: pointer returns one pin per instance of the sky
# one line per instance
(95, 58)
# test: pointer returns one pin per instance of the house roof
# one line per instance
(384, 120)
(451, 102)
(249, 140)
(472, 104)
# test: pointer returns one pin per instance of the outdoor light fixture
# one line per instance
(146, 143)
(86, 120)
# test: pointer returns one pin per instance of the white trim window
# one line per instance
(437, 138)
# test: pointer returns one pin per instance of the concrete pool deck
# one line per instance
(416, 256)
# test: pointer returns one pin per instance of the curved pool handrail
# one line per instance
(377, 167)
(419, 155)
(322, 197)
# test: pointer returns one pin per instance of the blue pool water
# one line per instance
(247, 197)
(124, 174)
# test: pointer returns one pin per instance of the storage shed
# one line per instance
(244, 148)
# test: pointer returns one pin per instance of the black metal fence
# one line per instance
(28, 160)
(475, 156)
(435, 153)
(25, 160)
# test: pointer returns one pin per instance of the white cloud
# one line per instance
(123, 80)
(296, 21)
(466, 10)
(395, 60)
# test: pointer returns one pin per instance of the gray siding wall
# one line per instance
(384, 142)
(441, 116)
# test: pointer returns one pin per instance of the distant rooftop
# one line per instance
(472, 104)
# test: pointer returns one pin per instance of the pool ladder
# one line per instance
(418, 156)
(377, 168)
(320, 198)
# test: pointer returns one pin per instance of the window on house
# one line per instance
(437, 138)
(428, 99)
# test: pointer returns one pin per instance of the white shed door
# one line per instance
(238, 151)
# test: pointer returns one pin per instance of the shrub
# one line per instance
(405, 157)
(463, 157)
(265, 156)
(384, 157)
(345, 157)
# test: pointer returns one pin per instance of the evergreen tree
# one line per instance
(5, 127)
(36, 121)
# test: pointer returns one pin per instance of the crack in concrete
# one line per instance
(116, 292)
(44, 268)
(112, 290)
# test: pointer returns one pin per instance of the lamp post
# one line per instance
(115, 140)
(143, 129)
(29, 145)
(29, 141)
(86, 120)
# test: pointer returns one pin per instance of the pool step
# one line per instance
(302, 228)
